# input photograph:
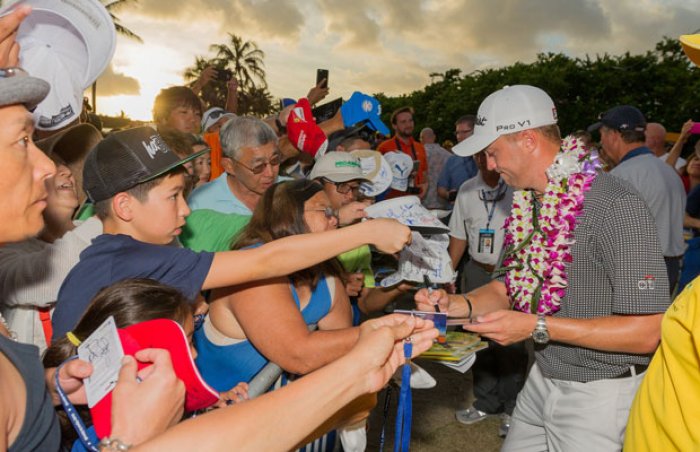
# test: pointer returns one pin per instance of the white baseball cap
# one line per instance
(508, 110)
(375, 168)
(212, 116)
(401, 167)
(68, 43)
(338, 167)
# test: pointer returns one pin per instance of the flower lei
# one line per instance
(538, 241)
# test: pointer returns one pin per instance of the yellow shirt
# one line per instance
(665, 414)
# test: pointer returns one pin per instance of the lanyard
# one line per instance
(402, 436)
(72, 413)
(387, 401)
(489, 213)
(400, 149)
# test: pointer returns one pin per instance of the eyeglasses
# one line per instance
(463, 132)
(8, 72)
(345, 187)
(260, 167)
(329, 212)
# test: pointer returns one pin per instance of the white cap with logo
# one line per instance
(508, 110)
(338, 167)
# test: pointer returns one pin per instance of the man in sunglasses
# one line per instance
(251, 161)
(476, 227)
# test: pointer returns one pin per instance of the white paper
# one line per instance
(424, 256)
(104, 351)
(409, 211)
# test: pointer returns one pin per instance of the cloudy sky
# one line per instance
(388, 46)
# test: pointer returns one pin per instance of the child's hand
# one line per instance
(237, 394)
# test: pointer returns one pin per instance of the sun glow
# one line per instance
(155, 66)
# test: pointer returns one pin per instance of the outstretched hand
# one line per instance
(350, 213)
(70, 377)
(318, 93)
(380, 346)
(426, 300)
(504, 326)
(143, 409)
(389, 236)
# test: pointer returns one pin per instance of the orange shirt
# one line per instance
(408, 149)
(212, 139)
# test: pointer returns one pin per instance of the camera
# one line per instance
(224, 75)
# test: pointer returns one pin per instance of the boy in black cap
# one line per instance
(136, 183)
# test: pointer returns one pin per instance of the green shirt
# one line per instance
(359, 260)
(209, 230)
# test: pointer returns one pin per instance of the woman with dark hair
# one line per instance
(242, 333)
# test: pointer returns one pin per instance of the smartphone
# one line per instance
(695, 129)
(224, 75)
(322, 74)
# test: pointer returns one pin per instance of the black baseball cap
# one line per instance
(127, 158)
(621, 118)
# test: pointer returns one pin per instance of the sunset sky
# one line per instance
(388, 46)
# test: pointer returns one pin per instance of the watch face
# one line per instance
(540, 336)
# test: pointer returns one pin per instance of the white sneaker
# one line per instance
(471, 415)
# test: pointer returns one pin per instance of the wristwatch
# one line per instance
(540, 334)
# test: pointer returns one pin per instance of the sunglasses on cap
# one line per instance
(217, 114)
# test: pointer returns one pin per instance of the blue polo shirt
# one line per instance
(115, 257)
(456, 171)
(216, 195)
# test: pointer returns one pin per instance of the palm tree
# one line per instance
(244, 59)
(116, 5)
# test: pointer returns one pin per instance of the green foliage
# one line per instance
(662, 83)
(245, 60)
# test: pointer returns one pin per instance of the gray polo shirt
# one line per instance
(662, 190)
(617, 269)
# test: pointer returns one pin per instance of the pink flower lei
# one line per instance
(538, 241)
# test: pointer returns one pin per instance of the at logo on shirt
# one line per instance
(647, 283)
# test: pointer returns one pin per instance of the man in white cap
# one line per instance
(573, 273)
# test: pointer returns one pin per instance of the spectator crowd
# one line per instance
(235, 263)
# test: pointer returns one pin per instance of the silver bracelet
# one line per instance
(113, 444)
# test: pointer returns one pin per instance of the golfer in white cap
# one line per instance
(582, 274)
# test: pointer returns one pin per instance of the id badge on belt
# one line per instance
(486, 239)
